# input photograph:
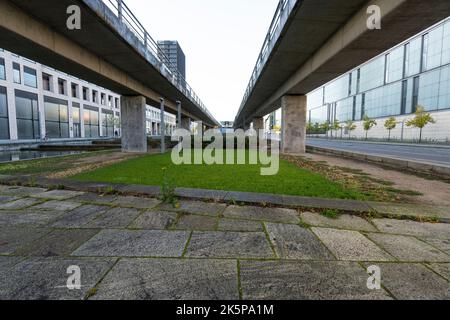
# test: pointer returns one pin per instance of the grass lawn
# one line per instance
(290, 180)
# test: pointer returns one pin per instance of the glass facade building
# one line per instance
(416, 72)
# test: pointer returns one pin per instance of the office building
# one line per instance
(177, 59)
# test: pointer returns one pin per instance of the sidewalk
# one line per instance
(137, 248)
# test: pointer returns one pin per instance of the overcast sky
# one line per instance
(220, 38)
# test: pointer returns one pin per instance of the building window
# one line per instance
(103, 99)
(85, 94)
(110, 102)
(395, 64)
(94, 96)
(56, 118)
(432, 48)
(413, 52)
(76, 118)
(428, 90)
(30, 77)
(2, 69)
(16, 73)
(117, 103)
(4, 123)
(415, 99)
(74, 88)
(47, 82)
(107, 124)
(62, 84)
(91, 122)
(27, 115)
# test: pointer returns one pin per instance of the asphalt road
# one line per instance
(434, 155)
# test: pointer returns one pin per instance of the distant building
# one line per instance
(153, 116)
(173, 51)
(227, 126)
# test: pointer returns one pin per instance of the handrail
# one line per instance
(129, 20)
(284, 9)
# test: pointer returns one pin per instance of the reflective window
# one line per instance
(413, 53)
(2, 69)
(428, 90)
(56, 119)
(4, 123)
(27, 115)
(344, 110)
(29, 77)
(319, 115)
(47, 82)
(107, 124)
(16, 73)
(394, 65)
(446, 44)
(337, 89)
(91, 124)
(315, 99)
(433, 48)
(372, 74)
(384, 101)
(444, 89)
(76, 118)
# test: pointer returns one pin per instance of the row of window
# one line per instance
(56, 118)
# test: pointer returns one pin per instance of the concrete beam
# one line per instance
(294, 113)
(134, 137)
(258, 123)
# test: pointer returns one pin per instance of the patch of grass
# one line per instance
(331, 213)
(290, 180)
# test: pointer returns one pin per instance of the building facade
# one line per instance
(39, 103)
(393, 84)
(173, 51)
(153, 116)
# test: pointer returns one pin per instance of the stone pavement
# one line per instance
(138, 248)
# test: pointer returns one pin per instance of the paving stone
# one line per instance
(6, 263)
(170, 279)
(284, 280)
(200, 223)
(336, 204)
(136, 202)
(13, 238)
(350, 245)
(196, 207)
(410, 249)
(132, 243)
(58, 194)
(251, 197)
(46, 278)
(23, 191)
(94, 198)
(154, 220)
(442, 244)
(57, 243)
(114, 218)
(80, 217)
(57, 205)
(19, 204)
(294, 242)
(441, 268)
(217, 195)
(240, 225)
(413, 228)
(414, 210)
(413, 282)
(344, 221)
(229, 245)
(7, 199)
(280, 215)
(28, 217)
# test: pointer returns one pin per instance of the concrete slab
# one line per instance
(23, 191)
(229, 245)
(114, 218)
(344, 221)
(46, 278)
(441, 244)
(6, 263)
(28, 217)
(199, 223)
(350, 245)
(409, 249)
(413, 228)
(57, 205)
(19, 204)
(240, 225)
(7, 199)
(170, 279)
(57, 243)
(136, 202)
(14, 238)
(294, 242)
(441, 268)
(308, 202)
(94, 198)
(280, 215)
(196, 207)
(154, 220)
(80, 217)
(283, 280)
(58, 194)
(131, 243)
(414, 210)
(413, 282)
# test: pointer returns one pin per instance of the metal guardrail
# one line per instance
(282, 14)
(124, 14)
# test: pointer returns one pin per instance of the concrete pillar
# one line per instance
(179, 114)
(294, 124)
(163, 127)
(134, 137)
(186, 123)
(258, 123)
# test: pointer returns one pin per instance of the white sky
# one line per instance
(220, 38)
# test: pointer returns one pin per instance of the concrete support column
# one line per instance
(179, 114)
(163, 127)
(258, 123)
(134, 137)
(294, 124)
(186, 124)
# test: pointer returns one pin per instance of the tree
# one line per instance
(390, 125)
(350, 126)
(326, 127)
(336, 126)
(421, 119)
(368, 124)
